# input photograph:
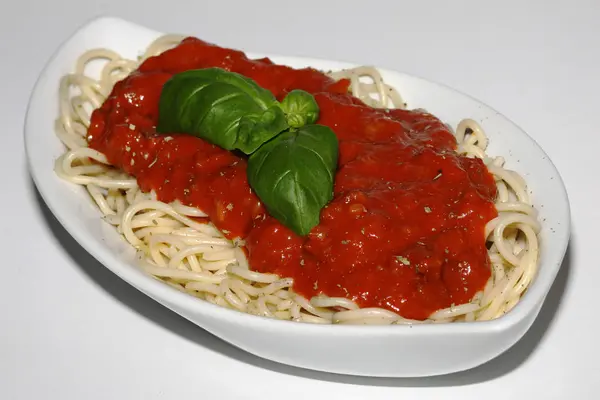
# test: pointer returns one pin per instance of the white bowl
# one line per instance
(393, 351)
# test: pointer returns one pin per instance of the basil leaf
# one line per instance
(223, 107)
(301, 108)
(293, 175)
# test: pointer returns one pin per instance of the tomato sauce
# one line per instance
(405, 230)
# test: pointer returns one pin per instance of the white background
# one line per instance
(70, 329)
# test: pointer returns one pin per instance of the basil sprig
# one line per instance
(222, 107)
(293, 175)
(301, 108)
(292, 161)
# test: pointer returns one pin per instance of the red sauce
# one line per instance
(405, 230)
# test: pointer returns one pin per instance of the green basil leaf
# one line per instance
(293, 175)
(223, 107)
(301, 108)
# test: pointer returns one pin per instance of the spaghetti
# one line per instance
(196, 258)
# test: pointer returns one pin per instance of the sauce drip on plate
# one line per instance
(405, 230)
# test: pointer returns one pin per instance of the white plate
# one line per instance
(405, 351)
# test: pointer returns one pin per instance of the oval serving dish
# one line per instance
(391, 351)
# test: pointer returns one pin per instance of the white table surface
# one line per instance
(70, 329)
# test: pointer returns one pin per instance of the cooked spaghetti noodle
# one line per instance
(197, 259)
